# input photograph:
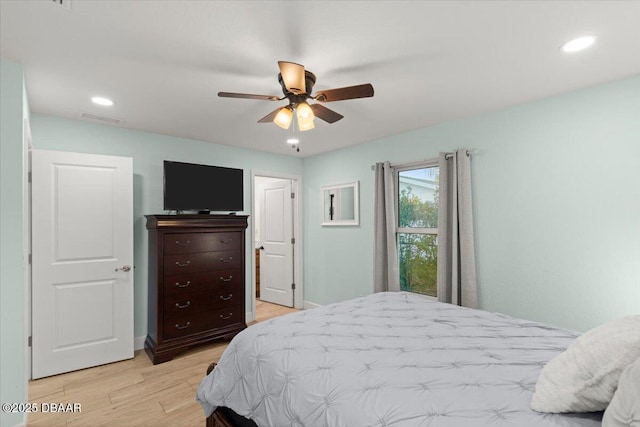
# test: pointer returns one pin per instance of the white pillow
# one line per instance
(624, 409)
(584, 377)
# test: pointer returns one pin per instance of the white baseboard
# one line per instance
(138, 343)
(307, 305)
(249, 317)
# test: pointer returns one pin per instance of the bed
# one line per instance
(388, 359)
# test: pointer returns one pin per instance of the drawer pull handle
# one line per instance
(178, 284)
(226, 279)
(184, 306)
(227, 298)
(179, 243)
(222, 316)
(186, 325)
(179, 264)
(226, 260)
(226, 241)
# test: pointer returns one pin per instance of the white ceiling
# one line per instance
(163, 62)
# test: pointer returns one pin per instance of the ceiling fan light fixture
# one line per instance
(293, 76)
(284, 117)
(304, 112)
(305, 125)
(305, 116)
(293, 141)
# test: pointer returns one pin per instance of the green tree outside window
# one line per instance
(418, 252)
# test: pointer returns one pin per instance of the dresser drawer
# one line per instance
(201, 262)
(184, 284)
(184, 243)
(196, 302)
(181, 326)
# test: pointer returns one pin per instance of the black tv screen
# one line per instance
(192, 187)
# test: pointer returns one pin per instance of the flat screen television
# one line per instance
(193, 187)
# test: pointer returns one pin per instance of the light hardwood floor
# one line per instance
(135, 392)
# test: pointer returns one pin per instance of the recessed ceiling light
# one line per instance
(102, 101)
(578, 44)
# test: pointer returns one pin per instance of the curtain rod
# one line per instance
(469, 152)
(420, 162)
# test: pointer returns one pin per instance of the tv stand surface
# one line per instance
(204, 212)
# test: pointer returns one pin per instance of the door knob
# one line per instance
(261, 248)
(124, 268)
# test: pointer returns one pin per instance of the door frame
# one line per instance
(27, 146)
(296, 186)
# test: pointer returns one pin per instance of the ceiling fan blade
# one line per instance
(322, 112)
(269, 117)
(248, 96)
(293, 77)
(350, 92)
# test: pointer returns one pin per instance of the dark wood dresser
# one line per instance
(196, 281)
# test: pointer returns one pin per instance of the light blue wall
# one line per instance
(12, 291)
(557, 206)
(148, 152)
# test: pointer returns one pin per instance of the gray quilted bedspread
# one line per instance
(388, 359)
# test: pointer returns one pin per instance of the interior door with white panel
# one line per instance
(276, 254)
(82, 261)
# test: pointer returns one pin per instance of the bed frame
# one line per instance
(218, 419)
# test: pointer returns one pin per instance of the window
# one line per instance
(417, 230)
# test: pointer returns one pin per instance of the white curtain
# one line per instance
(456, 254)
(385, 263)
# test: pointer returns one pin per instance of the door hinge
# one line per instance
(29, 176)
(293, 195)
(30, 340)
(293, 286)
(293, 240)
(30, 258)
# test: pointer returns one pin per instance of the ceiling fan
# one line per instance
(297, 84)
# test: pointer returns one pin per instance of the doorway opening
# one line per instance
(277, 239)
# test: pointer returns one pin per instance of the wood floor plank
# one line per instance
(43, 418)
(135, 392)
(48, 420)
(177, 398)
(107, 382)
(44, 387)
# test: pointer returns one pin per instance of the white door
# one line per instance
(82, 277)
(276, 233)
